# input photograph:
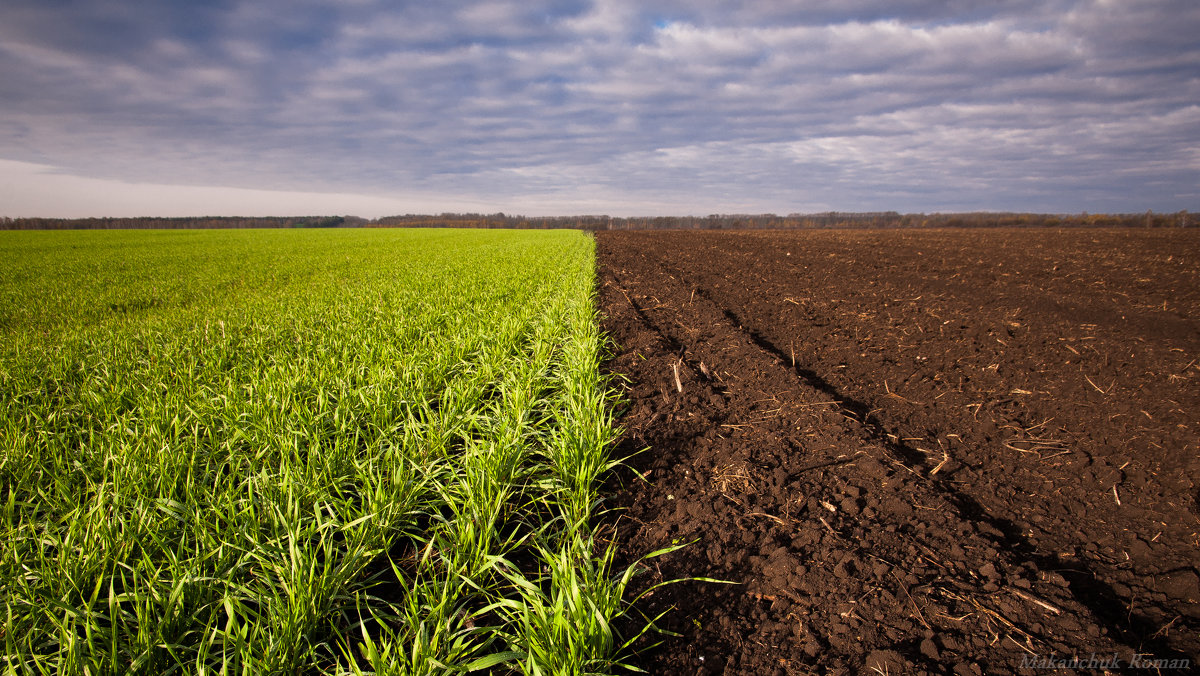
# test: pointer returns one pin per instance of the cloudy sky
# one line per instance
(624, 107)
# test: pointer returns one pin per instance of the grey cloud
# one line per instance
(917, 105)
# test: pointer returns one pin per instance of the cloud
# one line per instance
(26, 189)
(616, 105)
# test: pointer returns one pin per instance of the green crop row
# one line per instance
(268, 452)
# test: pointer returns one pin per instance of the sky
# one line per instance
(619, 107)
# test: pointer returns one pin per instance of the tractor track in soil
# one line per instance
(912, 452)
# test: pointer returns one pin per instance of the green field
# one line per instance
(345, 451)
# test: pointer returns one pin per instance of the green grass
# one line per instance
(251, 452)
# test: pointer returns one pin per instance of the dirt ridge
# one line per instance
(855, 548)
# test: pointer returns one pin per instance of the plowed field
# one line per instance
(954, 451)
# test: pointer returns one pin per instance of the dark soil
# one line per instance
(949, 451)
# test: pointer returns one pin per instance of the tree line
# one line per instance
(182, 223)
(831, 219)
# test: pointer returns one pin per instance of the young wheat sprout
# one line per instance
(267, 452)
